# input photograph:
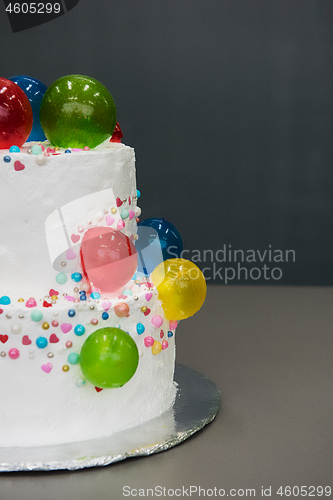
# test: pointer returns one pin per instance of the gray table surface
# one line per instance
(269, 350)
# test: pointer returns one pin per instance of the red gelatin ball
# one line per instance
(15, 115)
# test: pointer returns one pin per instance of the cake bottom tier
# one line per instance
(45, 398)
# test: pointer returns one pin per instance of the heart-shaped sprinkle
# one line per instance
(131, 214)
(46, 304)
(26, 340)
(31, 302)
(109, 220)
(148, 296)
(53, 292)
(119, 202)
(106, 305)
(18, 166)
(147, 312)
(98, 389)
(66, 327)
(54, 339)
(47, 367)
(75, 238)
(70, 254)
(161, 334)
(3, 338)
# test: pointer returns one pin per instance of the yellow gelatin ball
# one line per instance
(181, 288)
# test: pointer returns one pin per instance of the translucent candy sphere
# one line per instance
(15, 115)
(109, 358)
(77, 111)
(108, 258)
(34, 90)
(181, 288)
(158, 240)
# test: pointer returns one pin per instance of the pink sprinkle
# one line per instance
(70, 254)
(31, 302)
(69, 297)
(86, 148)
(77, 149)
(157, 321)
(148, 296)
(13, 353)
(161, 334)
(55, 324)
(121, 224)
(94, 321)
(47, 367)
(69, 344)
(165, 344)
(109, 220)
(173, 324)
(148, 341)
(106, 305)
(66, 327)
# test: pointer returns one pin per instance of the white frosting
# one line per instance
(40, 408)
(42, 193)
(44, 210)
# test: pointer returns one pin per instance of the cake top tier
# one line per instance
(47, 204)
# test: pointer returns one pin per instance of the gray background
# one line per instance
(228, 105)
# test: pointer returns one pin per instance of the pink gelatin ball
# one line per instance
(108, 258)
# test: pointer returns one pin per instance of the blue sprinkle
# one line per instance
(140, 328)
(77, 277)
(79, 330)
(95, 295)
(71, 313)
(5, 300)
(41, 342)
(170, 333)
(83, 295)
(68, 151)
(7, 159)
(14, 149)
(105, 315)
(138, 193)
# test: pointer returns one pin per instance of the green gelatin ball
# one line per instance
(109, 358)
(77, 111)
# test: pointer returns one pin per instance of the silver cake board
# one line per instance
(197, 403)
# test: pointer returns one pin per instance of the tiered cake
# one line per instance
(52, 197)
